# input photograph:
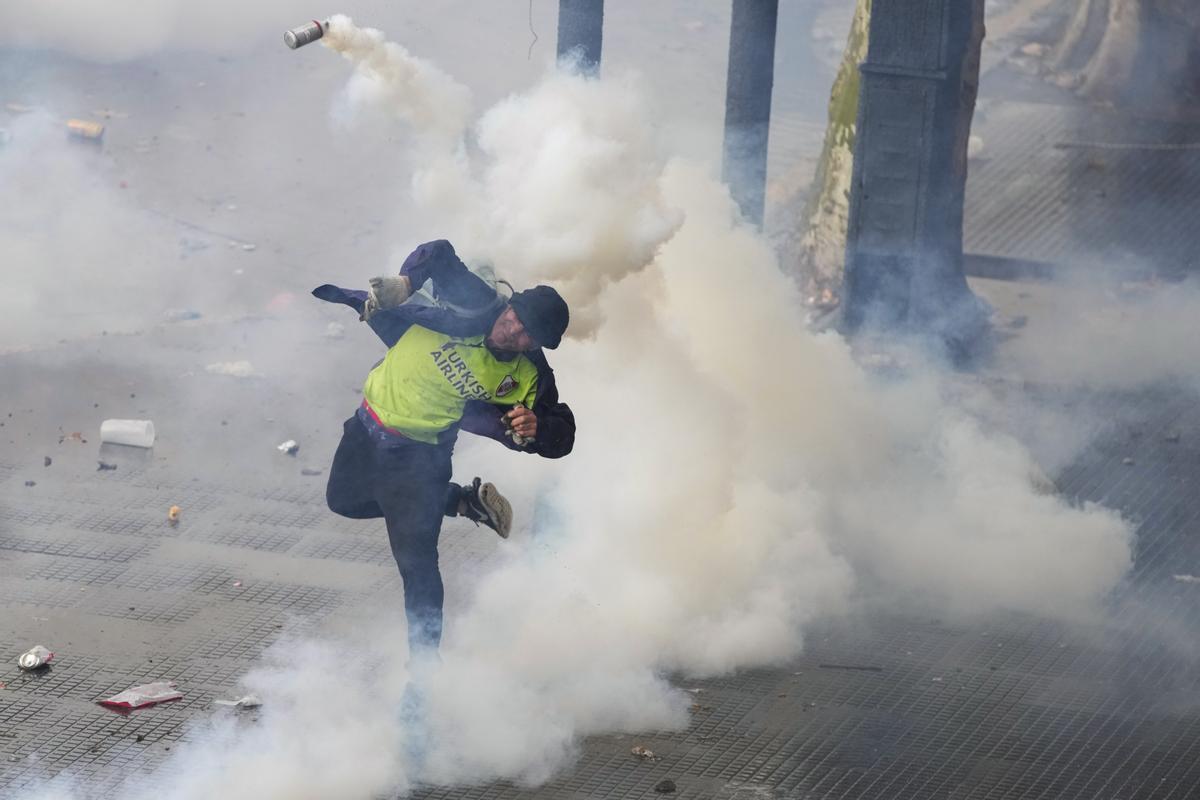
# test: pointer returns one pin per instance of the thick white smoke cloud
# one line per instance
(735, 477)
(566, 190)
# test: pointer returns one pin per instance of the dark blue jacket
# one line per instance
(466, 306)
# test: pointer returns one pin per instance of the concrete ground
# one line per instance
(879, 706)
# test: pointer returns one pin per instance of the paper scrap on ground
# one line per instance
(147, 694)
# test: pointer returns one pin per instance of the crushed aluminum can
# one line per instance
(34, 658)
(305, 34)
(248, 701)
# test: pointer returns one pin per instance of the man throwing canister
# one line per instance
(460, 356)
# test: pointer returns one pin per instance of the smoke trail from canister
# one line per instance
(435, 107)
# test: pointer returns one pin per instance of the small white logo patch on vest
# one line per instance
(507, 385)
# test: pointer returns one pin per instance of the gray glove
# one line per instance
(385, 293)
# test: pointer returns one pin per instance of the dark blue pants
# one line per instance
(407, 483)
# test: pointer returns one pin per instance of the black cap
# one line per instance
(543, 312)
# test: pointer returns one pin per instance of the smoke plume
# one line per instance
(736, 475)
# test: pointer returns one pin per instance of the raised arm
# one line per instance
(468, 303)
(453, 283)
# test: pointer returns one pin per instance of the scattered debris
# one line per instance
(85, 129)
(104, 466)
(1187, 578)
(237, 584)
(280, 302)
(35, 658)
(937, 679)
(74, 436)
(335, 330)
(1066, 80)
(131, 432)
(173, 514)
(147, 694)
(249, 248)
(855, 667)
(1127, 461)
(1035, 49)
(180, 314)
(236, 369)
(290, 447)
(665, 786)
(248, 701)
(31, 483)
(309, 471)
(643, 752)
(47, 461)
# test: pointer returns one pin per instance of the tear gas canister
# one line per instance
(310, 32)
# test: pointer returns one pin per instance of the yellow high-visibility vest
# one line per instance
(424, 382)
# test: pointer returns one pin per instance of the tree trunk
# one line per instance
(1140, 53)
(822, 248)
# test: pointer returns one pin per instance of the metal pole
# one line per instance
(748, 103)
(580, 33)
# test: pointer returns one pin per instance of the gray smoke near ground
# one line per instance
(1121, 334)
(52, 235)
(127, 29)
(736, 477)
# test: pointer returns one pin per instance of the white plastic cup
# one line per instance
(133, 432)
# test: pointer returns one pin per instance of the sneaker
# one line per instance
(482, 502)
